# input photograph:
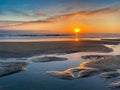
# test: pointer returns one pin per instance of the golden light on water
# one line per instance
(76, 39)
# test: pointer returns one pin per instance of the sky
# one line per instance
(60, 16)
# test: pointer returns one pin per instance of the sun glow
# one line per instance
(77, 30)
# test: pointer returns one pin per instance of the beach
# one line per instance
(27, 49)
(55, 63)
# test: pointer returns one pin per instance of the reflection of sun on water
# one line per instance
(77, 30)
(76, 39)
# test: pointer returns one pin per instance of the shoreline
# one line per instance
(28, 49)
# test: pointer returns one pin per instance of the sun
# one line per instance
(77, 30)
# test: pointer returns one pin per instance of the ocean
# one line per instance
(26, 37)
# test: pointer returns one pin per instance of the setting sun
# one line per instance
(77, 30)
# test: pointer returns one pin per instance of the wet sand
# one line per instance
(94, 59)
(27, 49)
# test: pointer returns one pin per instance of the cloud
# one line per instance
(4, 24)
(9, 23)
(40, 14)
(38, 21)
(103, 11)
(17, 12)
(64, 17)
(87, 13)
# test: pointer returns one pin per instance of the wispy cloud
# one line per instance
(81, 14)
(104, 11)
(4, 24)
(40, 14)
(10, 23)
(88, 13)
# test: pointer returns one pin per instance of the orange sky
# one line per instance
(100, 20)
(87, 24)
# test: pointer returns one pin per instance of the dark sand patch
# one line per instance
(108, 75)
(48, 59)
(96, 57)
(115, 84)
(116, 40)
(7, 68)
(66, 75)
(110, 63)
(28, 49)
